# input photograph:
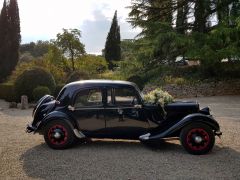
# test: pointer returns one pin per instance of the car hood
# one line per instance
(185, 107)
(180, 109)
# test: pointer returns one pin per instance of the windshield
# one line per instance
(61, 93)
(140, 92)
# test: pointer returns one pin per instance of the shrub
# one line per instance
(30, 79)
(40, 91)
(138, 80)
(77, 75)
(7, 92)
(112, 75)
(158, 96)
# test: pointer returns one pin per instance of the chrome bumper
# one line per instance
(218, 133)
(30, 128)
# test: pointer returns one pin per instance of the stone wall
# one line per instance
(202, 89)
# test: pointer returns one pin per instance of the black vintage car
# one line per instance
(116, 110)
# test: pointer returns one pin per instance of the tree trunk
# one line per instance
(72, 59)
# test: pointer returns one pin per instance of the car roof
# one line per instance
(99, 82)
(69, 89)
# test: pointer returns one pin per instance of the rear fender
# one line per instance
(197, 117)
(57, 115)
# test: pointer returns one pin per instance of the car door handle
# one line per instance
(138, 106)
(120, 111)
(71, 108)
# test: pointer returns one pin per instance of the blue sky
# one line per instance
(43, 19)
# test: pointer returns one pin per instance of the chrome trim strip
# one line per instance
(100, 108)
(145, 137)
(87, 108)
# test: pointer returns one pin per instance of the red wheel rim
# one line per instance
(61, 132)
(191, 142)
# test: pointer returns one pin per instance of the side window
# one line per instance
(125, 96)
(88, 97)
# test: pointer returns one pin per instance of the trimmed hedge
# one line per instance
(30, 79)
(40, 91)
(7, 92)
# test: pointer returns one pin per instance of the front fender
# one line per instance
(197, 117)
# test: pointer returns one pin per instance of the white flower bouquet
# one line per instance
(158, 96)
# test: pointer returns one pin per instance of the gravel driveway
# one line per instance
(24, 156)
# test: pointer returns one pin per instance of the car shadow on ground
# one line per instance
(121, 159)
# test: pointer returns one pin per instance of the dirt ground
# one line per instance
(26, 156)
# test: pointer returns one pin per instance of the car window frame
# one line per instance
(113, 97)
(88, 107)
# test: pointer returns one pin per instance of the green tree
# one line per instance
(38, 49)
(192, 31)
(182, 12)
(3, 41)
(92, 64)
(14, 34)
(10, 38)
(70, 44)
(112, 47)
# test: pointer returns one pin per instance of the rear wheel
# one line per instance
(59, 135)
(197, 138)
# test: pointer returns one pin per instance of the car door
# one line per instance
(88, 110)
(124, 114)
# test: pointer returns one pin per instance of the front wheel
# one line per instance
(58, 135)
(197, 138)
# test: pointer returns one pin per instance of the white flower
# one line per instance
(158, 96)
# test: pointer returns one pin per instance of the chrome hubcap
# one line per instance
(57, 135)
(198, 139)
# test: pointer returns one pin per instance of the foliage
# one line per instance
(57, 72)
(92, 64)
(39, 92)
(112, 49)
(158, 96)
(25, 57)
(7, 92)
(38, 49)
(113, 75)
(166, 35)
(9, 38)
(77, 75)
(30, 79)
(70, 44)
(137, 80)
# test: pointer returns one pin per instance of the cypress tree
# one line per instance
(14, 34)
(3, 40)
(113, 42)
(9, 38)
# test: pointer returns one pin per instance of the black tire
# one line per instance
(188, 138)
(67, 137)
